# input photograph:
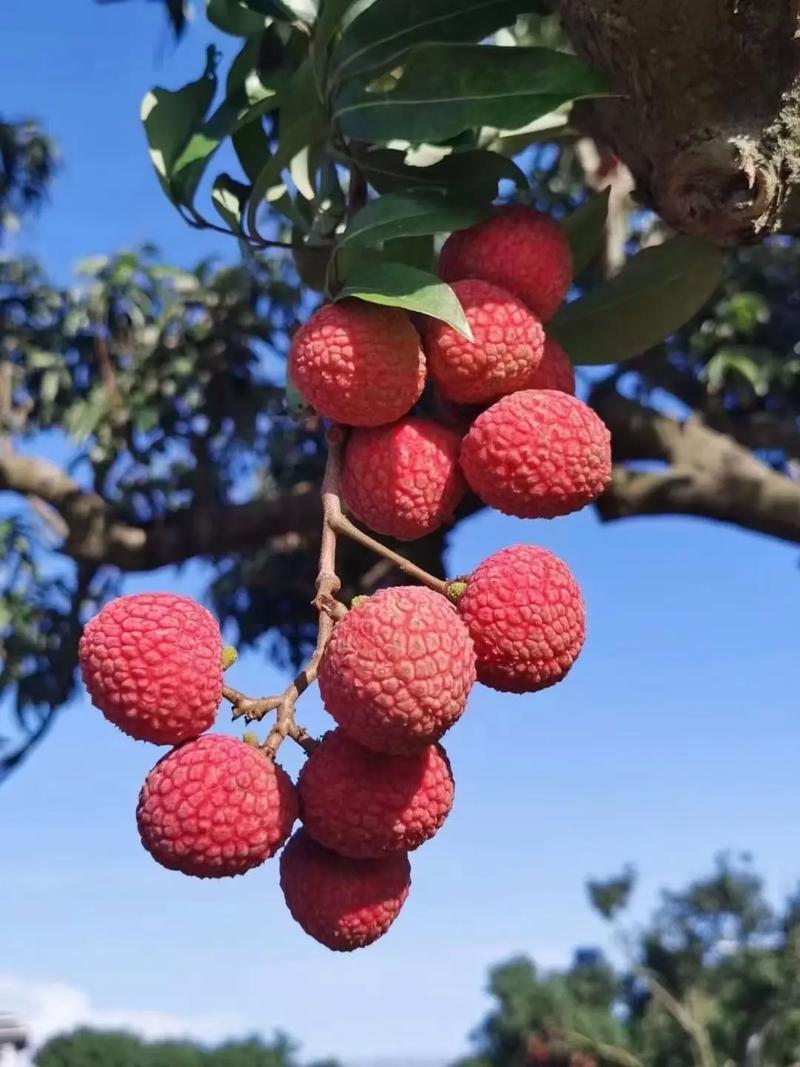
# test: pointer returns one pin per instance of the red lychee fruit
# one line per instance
(152, 663)
(215, 807)
(365, 805)
(537, 454)
(358, 363)
(398, 669)
(342, 903)
(554, 372)
(526, 617)
(520, 250)
(403, 480)
(507, 346)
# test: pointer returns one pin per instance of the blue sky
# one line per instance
(674, 737)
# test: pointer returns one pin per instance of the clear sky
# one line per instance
(674, 737)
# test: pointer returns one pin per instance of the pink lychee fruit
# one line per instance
(215, 807)
(555, 371)
(537, 454)
(398, 669)
(403, 480)
(342, 903)
(152, 663)
(526, 617)
(506, 349)
(358, 363)
(520, 250)
(364, 804)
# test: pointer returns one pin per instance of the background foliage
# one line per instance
(711, 980)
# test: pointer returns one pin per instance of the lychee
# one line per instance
(365, 805)
(358, 363)
(555, 371)
(403, 480)
(520, 250)
(506, 349)
(215, 807)
(526, 617)
(152, 663)
(398, 669)
(538, 453)
(342, 903)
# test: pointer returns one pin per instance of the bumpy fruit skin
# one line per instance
(398, 669)
(554, 372)
(342, 903)
(520, 250)
(526, 616)
(366, 805)
(358, 363)
(215, 807)
(152, 663)
(537, 454)
(403, 480)
(507, 347)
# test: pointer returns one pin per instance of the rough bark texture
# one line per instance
(708, 112)
(697, 471)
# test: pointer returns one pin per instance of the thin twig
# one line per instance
(329, 609)
(327, 586)
(338, 522)
(342, 525)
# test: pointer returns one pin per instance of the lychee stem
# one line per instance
(328, 584)
(346, 528)
(329, 609)
(338, 522)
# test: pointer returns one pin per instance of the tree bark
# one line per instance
(700, 472)
(707, 115)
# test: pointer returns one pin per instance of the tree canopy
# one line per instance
(710, 981)
(93, 1048)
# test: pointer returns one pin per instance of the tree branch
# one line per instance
(96, 534)
(708, 474)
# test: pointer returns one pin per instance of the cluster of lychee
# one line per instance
(399, 666)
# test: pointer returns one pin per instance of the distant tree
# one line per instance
(27, 163)
(713, 980)
(92, 1048)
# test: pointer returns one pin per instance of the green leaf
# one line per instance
(445, 89)
(288, 10)
(584, 230)
(170, 118)
(244, 64)
(50, 384)
(408, 215)
(251, 145)
(388, 28)
(328, 23)
(229, 197)
(235, 18)
(658, 291)
(745, 361)
(397, 285)
(176, 14)
(296, 404)
(231, 116)
(412, 251)
(303, 120)
(475, 172)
